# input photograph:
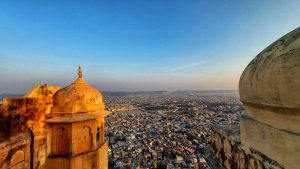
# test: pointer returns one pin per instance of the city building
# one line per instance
(64, 128)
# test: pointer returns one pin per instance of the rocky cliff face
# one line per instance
(232, 155)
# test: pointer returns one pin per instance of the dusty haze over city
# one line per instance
(137, 45)
(140, 84)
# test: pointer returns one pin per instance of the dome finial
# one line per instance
(79, 72)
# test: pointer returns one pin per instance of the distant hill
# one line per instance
(7, 95)
(206, 92)
(153, 93)
(178, 93)
(147, 93)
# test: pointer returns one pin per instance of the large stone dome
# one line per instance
(79, 97)
(273, 77)
(270, 91)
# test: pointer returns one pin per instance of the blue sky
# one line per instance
(137, 45)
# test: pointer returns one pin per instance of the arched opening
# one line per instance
(61, 141)
(86, 139)
(31, 138)
(98, 136)
(102, 133)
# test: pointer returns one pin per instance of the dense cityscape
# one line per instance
(167, 129)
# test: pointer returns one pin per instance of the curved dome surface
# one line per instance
(273, 76)
(79, 97)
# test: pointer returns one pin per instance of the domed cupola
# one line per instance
(79, 97)
(273, 77)
(76, 124)
(78, 101)
(271, 83)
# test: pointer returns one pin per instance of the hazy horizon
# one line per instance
(137, 45)
(144, 91)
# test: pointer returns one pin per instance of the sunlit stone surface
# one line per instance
(54, 128)
(270, 90)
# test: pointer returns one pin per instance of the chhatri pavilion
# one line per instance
(77, 127)
(54, 128)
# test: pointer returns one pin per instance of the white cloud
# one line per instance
(188, 66)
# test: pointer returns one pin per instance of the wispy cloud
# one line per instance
(176, 75)
(108, 72)
(188, 66)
